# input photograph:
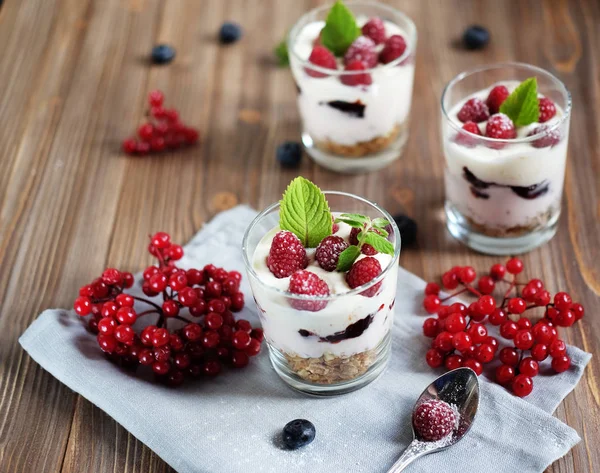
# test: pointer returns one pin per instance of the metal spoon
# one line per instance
(459, 387)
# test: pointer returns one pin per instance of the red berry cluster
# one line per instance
(193, 347)
(460, 336)
(163, 131)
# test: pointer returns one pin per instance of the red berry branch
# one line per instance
(459, 333)
(174, 345)
(163, 131)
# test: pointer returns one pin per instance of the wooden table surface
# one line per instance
(74, 78)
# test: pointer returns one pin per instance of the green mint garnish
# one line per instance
(281, 52)
(340, 29)
(522, 106)
(304, 211)
(347, 258)
(372, 232)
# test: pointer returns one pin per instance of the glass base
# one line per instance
(282, 368)
(349, 165)
(461, 229)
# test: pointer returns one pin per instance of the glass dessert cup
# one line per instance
(354, 129)
(504, 196)
(346, 343)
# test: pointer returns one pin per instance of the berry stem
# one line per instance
(146, 312)
(454, 295)
(141, 299)
(183, 319)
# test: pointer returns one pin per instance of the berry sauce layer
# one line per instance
(312, 329)
(328, 103)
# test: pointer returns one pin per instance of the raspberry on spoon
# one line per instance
(433, 420)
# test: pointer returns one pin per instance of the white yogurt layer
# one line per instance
(387, 99)
(519, 164)
(282, 322)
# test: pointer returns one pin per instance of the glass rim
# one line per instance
(357, 290)
(527, 139)
(410, 45)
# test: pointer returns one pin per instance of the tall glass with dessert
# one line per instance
(505, 130)
(353, 64)
(323, 267)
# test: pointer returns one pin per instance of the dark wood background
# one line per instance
(73, 83)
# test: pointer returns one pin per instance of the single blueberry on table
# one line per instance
(163, 54)
(289, 154)
(408, 229)
(230, 33)
(298, 433)
(476, 37)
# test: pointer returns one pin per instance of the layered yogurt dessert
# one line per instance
(327, 303)
(504, 174)
(354, 93)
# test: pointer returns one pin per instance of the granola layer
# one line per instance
(362, 148)
(331, 369)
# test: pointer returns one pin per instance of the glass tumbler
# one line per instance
(353, 128)
(325, 345)
(503, 196)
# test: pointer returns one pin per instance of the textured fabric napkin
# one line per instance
(231, 424)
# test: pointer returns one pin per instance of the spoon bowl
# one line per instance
(459, 388)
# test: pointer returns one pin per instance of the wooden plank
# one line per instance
(74, 77)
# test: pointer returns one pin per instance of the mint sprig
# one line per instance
(372, 232)
(304, 211)
(340, 29)
(281, 52)
(522, 106)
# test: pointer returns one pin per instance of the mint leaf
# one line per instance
(340, 29)
(381, 244)
(304, 211)
(380, 223)
(522, 106)
(281, 52)
(347, 258)
(354, 220)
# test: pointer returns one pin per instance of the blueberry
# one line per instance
(230, 33)
(289, 154)
(163, 54)
(298, 433)
(476, 37)
(408, 229)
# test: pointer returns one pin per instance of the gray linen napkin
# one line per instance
(231, 424)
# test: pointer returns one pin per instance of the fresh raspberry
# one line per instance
(547, 109)
(433, 420)
(329, 250)
(308, 284)
(474, 110)
(368, 250)
(362, 272)
(394, 47)
(287, 255)
(374, 29)
(323, 57)
(466, 139)
(499, 126)
(356, 79)
(354, 236)
(362, 49)
(497, 96)
(548, 139)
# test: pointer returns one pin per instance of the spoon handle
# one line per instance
(412, 452)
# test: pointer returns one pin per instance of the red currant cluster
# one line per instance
(460, 336)
(194, 347)
(163, 131)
